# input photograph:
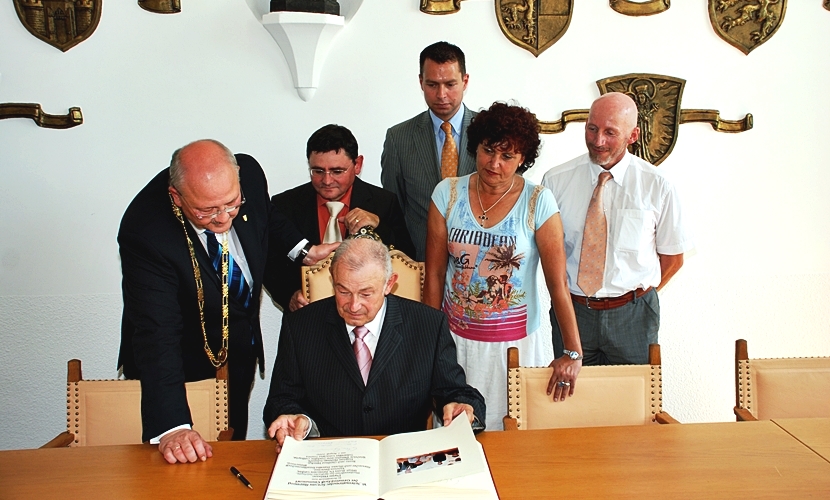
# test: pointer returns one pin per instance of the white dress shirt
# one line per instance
(644, 217)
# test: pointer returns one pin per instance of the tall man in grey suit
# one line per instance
(365, 362)
(418, 153)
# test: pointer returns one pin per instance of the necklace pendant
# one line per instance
(483, 217)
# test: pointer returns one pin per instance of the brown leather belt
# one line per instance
(610, 302)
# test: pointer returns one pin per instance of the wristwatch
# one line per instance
(572, 354)
(301, 255)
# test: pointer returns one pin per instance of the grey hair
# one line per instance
(356, 253)
(176, 170)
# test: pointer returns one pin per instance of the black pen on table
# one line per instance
(240, 477)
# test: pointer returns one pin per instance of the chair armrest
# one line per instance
(510, 424)
(743, 415)
(664, 418)
(225, 435)
(62, 440)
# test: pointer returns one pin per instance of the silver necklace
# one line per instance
(483, 215)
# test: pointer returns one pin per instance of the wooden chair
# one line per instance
(317, 282)
(604, 396)
(102, 412)
(767, 388)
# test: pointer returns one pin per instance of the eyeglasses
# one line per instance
(321, 172)
(202, 215)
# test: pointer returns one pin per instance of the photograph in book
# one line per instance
(415, 464)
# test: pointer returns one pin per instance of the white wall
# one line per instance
(149, 83)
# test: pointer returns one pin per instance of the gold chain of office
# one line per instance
(220, 358)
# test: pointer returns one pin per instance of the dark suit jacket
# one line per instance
(410, 169)
(161, 337)
(415, 362)
(282, 276)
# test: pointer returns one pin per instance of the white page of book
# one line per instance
(327, 466)
(420, 458)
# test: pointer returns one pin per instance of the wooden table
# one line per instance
(721, 460)
(813, 432)
(717, 460)
(135, 471)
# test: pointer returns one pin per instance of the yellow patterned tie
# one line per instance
(449, 153)
(594, 242)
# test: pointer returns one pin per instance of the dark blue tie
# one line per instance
(237, 287)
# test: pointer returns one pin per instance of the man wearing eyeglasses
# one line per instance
(195, 237)
(335, 204)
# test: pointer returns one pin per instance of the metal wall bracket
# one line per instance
(629, 8)
(659, 114)
(440, 6)
(33, 110)
(161, 6)
(710, 116)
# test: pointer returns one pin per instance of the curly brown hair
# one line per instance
(504, 125)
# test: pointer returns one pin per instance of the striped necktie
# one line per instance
(237, 286)
(594, 242)
(361, 352)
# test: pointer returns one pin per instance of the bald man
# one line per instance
(207, 207)
(615, 291)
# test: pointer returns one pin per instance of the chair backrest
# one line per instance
(103, 412)
(781, 387)
(603, 396)
(317, 282)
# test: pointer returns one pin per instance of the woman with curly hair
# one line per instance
(486, 235)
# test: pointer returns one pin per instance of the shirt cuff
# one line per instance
(312, 430)
(157, 439)
(296, 251)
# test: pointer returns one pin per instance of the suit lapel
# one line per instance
(361, 196)
(338, 339)
(245, 231)
(389, 341)
(467, 163)
(309, 225)
(427, 153)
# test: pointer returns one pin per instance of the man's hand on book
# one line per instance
(184, 446)
(296, 426)
(452, 410)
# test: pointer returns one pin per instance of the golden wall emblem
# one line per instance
(534, 25)
(647, 8)
(658, 113)
(62, 24)
(440, 6)
(746, 24)
(161, 6)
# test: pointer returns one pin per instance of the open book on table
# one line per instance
(446, 462)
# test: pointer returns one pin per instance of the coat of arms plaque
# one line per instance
(746, 24)
(62, 24)
(534, 25)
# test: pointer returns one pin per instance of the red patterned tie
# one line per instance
(594, 242)
(361, 352)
